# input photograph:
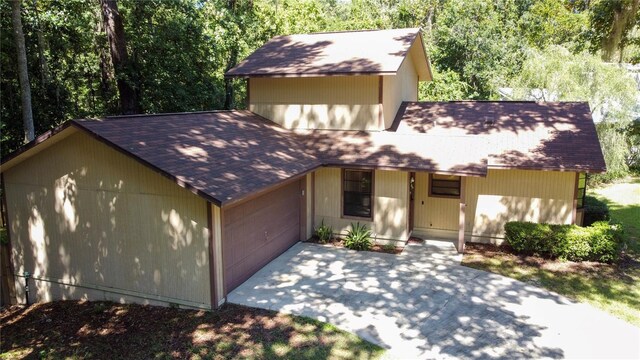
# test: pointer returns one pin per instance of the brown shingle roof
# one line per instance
(223, 155)
(523, 135)
(227, 155)
(390, 150)
(336, 53)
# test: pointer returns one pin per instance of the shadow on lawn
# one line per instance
(605, 284)
(93, 329)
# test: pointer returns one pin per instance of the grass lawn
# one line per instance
(75, 329)
(613, 288)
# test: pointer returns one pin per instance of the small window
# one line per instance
(582, 189)
(444, 185)
(357, 193)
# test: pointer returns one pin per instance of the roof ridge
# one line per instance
(351, 31)
(497, 101)
(119, 117)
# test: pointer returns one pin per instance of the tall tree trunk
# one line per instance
(228, 82)
(624, 16)
(233, 61)
(106, 69)
(23, 74)
(44, 67)
(114, 29)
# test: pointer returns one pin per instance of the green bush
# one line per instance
(598, 242)
(606, 240)
(358, 238)
(529, 238)
(323, 232)
(594, 210)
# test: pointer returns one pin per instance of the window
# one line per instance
(582, 189)
(444, 185)
(357, 193)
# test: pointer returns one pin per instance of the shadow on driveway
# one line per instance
(424, 304)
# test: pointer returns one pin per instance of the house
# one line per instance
(182, 208)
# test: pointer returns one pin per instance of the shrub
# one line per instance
(529, 238)
(594, 210)
(606, 241)
(358, 238)
(390, 248)
(598, 242)
(323, 232)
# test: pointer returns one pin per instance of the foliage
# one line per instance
(445, 86)
(180, 50)
(476, 39)
(599, 242)
(594, 210)
(549, 22)
(4, 238)
(611, 26)
(529, 238)
(324, 232)
(555, 74)
(389, 248)
(633, 139)
(358, 237)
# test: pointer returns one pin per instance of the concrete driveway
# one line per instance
(423, 304)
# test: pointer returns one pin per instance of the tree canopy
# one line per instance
(178, 50)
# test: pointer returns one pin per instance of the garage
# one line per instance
(259, 230)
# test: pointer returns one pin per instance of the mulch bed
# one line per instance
(84, 329)
(476, 250)
(339, 243)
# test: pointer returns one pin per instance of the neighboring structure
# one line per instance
(182, 208)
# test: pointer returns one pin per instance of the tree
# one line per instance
(23, 73)
(114, 29)
(611, 23)
(553, 22)
(478, 40)
(555, 74)
(445, 86)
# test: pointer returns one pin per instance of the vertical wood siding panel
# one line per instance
(96, 217)
(390, 203)
(391, 200)
(218, 262)
(399, 88)
(524, 195)
(338, 102)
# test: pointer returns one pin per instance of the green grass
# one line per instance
(82, 330)
(623, 199)
(612, 288)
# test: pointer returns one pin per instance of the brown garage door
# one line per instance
(259, 230)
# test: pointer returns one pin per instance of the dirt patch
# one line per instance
(339, 243)
(108, 330)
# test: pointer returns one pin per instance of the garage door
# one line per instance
(259, 230)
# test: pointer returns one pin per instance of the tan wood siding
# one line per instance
(218, 260)
(390, 205)
(434, 213)
(517, 195)
(398, 88)
(309, 204)
(337, 102)
(94, 222)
